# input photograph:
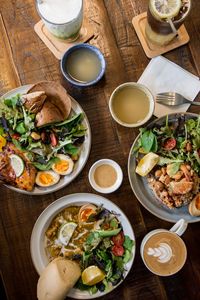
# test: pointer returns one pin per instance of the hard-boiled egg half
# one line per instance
(47, 178)
(64, 166)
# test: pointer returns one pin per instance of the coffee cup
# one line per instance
(163, 251)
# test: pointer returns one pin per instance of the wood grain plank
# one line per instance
(9, 78)
(116, 38)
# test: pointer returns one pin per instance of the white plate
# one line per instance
(37, 244)
(142, 190)
(79, 165)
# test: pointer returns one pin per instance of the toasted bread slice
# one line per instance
(57, 105)
(34, 101)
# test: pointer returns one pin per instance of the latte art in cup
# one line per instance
(164, 253)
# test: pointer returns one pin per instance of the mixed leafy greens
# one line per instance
(175, 142)
(94, 237)
(108, 248)
(41, 145)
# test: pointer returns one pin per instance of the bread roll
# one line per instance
(194, 206)
(57, 279)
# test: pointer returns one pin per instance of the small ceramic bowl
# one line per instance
(67, 54)
(140, 87)
(117, 183)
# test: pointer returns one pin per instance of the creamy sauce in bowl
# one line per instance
(105, 176)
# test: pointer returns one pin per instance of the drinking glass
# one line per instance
(159, 31)
(63, 18)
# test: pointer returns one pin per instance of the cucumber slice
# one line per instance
(17, 164)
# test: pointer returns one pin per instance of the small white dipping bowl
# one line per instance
(140, 87)
(117, 183)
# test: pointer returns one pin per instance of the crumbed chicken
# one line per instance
(27, 179)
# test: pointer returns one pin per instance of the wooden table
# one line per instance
(25, 59)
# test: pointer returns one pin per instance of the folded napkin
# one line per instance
(162, 75)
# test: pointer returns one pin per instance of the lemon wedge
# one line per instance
(165, 9)
(92, 275)
(66, 231)
(147, 163)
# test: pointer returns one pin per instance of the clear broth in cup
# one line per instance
(83, 65)
(131, 105)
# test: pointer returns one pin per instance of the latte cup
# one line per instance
(163, 251)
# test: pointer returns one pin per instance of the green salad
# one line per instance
(175, 142)
(55, 143)
(168, 155)
(94, 237)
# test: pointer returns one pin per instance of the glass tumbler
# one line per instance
(63, 18)
(159, 31)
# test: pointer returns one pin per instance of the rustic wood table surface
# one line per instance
(25, 59)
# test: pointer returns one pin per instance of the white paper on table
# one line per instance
(162, 75)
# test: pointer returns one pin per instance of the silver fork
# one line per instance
(173, 99)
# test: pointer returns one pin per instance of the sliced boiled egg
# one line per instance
(86, 211)
(47, 178)
(64, 166)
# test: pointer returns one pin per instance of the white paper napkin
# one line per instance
(162, 75)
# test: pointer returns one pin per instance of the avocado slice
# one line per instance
(107, 233)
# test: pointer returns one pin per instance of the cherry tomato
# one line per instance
(170, 144)
(118, 239)
(16, 136)
(53, 139)
(118, 250)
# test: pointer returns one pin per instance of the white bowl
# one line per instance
(37, 244)
(117, 183)
(140, 87)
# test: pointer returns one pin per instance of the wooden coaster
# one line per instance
(59, 46)
(151, 50)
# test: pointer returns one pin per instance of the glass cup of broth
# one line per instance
(164, 18)
(131, 104)
(63, 18)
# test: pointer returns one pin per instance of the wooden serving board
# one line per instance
(151, 50)
(59, 46)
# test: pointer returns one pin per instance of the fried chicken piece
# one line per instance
(7, 173)
(182, 187)
(27, 179)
